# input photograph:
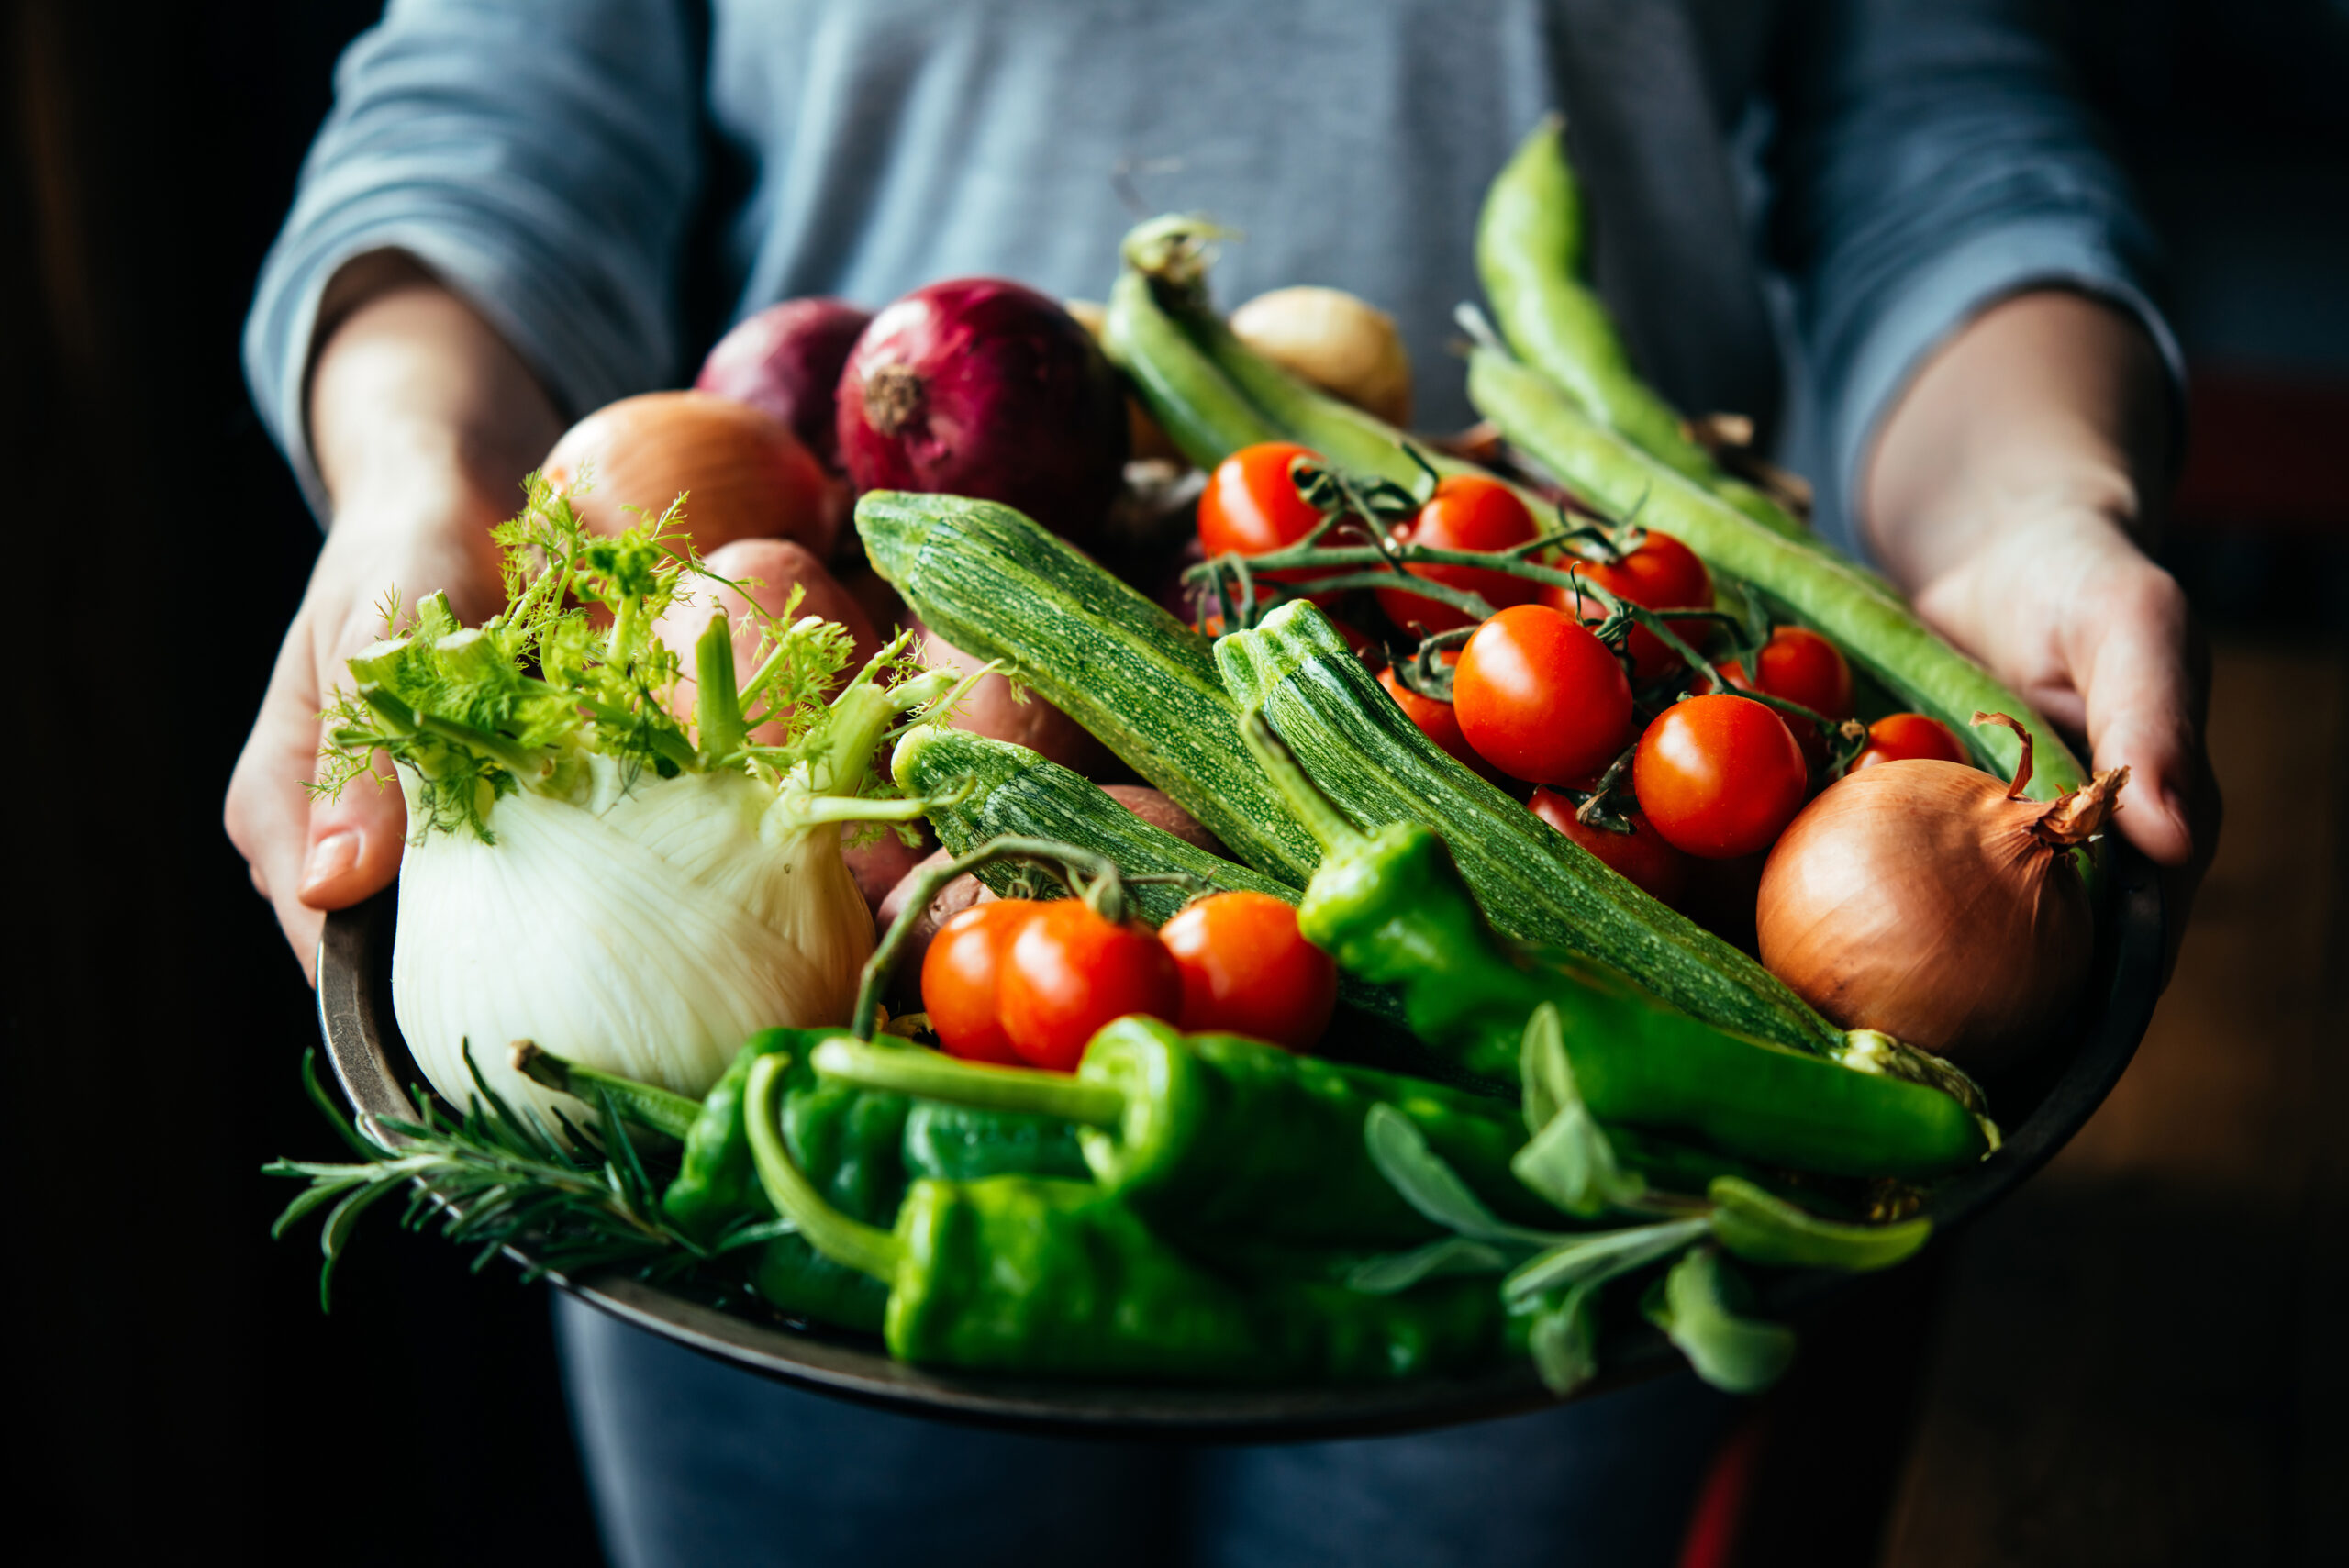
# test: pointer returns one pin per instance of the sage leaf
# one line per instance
(1430, 1185)
(1600, 1255)
(1734, 1353)
(1400, 1270)
(1762, 1228)
(1564, 1340)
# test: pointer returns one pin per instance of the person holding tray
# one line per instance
(1901, 202)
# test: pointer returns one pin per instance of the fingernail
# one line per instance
(331, 857)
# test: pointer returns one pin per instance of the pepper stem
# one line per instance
(1314, 810)
(931, 1076)
(849, 1242)
(649, 1104)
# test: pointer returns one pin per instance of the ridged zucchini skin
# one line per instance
(993, 584)
(1535, 883)
(994, 788)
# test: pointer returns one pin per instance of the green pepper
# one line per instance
(1217, 1133)
(862, 1145)
(1392, 907)
(1040, 1274)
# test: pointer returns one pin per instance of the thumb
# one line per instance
(355, 842)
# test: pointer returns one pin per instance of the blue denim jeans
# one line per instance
(692, 1461)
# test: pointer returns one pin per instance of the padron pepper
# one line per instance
(861, 1146)
(1391, 906)
(1045, 1275)
(1219, 1134)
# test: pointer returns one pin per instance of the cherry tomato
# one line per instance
(1068, 972)
(959, 975)
(1801, 666)
(1720, 776)
(1247, 969)
(1897, 737)
(1539, 697)
(1661, 574)
(1467, 512)
(1250, 505)
(1640, 854)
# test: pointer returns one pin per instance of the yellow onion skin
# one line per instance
(743, 474)
(1914, 897)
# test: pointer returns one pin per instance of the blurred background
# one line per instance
(2137, 1361)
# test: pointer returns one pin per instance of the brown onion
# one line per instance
(743, 474)
(1930, 901)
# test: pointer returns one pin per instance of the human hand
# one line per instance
(2064, 607)
(309, 856)
(2008, 487)
(424, 422)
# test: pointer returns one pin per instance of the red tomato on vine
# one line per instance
(1661, 574)
(1719, 775)
(1467, 512)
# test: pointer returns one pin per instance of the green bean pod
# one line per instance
(1532, 255)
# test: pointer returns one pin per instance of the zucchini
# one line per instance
(995, 788)
(1534, 883)
(995, 584)
(1866, 619)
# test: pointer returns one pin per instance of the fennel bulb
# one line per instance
(583, 868)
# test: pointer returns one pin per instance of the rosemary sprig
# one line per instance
(496, 1180)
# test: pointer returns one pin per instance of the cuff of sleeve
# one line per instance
(1942, 297)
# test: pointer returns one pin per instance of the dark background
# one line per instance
(172, 1381)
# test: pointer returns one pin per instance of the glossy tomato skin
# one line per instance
(1247, 969)
(1068, 972)
(1641, 854)
(1661, 574)
(1720, 777)
(1539, 697)
(1467, 512)
(1899, 737)
(1250, 505)
(1801, 666)
(961, 976)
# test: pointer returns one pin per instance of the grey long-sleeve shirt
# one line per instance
(1899, 164)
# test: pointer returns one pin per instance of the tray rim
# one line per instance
(360, 1037)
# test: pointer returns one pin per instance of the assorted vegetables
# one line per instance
(1404, 1055)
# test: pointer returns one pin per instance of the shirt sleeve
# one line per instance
(540, 155)
(1932, 161)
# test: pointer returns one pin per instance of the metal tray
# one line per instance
(2040, 1115)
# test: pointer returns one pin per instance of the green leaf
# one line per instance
(1431, 1186)
(1762, 1228)
(1734, 1353)
(1569, 1160)
(1400, 1270)
(1599, 1255)
(1564, 1340)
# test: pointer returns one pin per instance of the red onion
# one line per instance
(787, 359)
(1928, 900)
(985, 388)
